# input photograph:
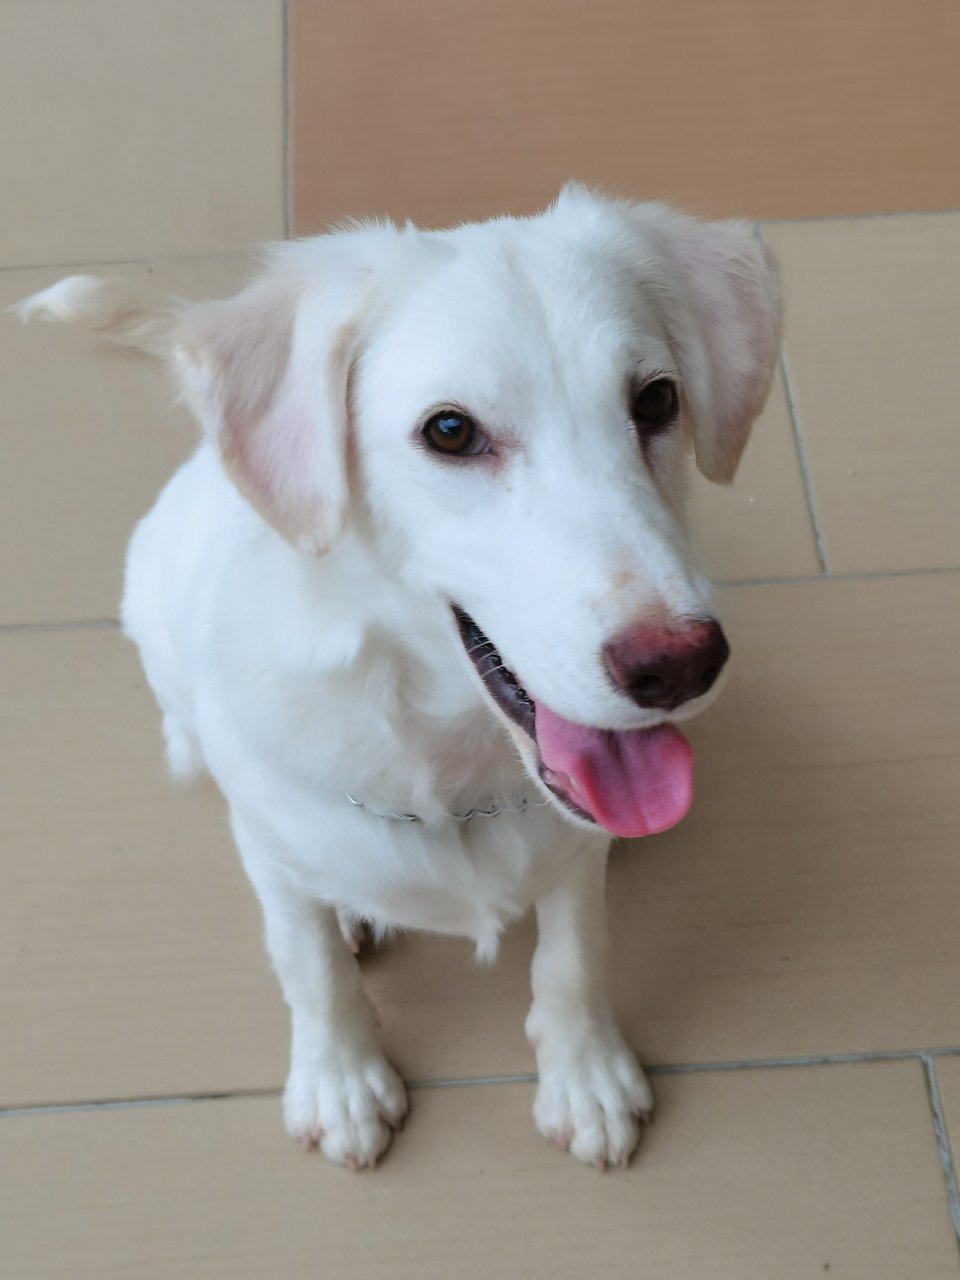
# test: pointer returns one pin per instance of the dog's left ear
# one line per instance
(720, 294)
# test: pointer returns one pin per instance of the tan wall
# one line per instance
(440, 109)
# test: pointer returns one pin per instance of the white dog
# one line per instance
(423, 605)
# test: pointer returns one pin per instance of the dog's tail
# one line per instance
(121, 310)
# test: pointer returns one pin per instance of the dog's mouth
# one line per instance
(633, 782)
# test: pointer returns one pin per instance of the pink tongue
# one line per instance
(634, 783)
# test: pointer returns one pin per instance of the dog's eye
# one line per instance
(453, 432)
(655, 406)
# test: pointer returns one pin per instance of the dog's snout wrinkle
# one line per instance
(662, 667)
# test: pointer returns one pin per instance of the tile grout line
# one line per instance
(128, 1104)
(868, 575)
(722, 584)
(862, 216)
(798, 439)
(529, 1077)
(664, 1069)
(802, 460)
(246, 248)
(705, 1068)
(287, 165)
(943, 1141)
(81, 624)
(811, 1060)
(111, 1104)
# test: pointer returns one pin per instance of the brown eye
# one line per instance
(450, 431)
(655, 406)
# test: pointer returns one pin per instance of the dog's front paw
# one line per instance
(592, 1097)
(349, 1103)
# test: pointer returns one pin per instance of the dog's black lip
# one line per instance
(499, 681)
(507, 692)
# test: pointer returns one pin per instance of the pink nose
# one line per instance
(663, 668)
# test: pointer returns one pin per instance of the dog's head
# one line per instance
(502, 410)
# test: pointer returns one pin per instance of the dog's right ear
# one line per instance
(266, 373)
(722, 309)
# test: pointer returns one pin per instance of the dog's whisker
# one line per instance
(484, 644)
(493, 670)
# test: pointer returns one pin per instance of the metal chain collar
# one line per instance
(492, 812)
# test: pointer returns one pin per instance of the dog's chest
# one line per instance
(291, 736)
(466, 879)
(405, 855)
(430, 751)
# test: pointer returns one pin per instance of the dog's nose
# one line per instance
(663, 668)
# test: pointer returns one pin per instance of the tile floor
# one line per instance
(787, 960)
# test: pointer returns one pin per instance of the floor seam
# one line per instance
(799, 443)
(246, 251)
(129, 1104)
(806, 1060)
(863, 216)
(926, 1056)
(943, 1141)
(867, 575)
(803, 462)
(722, 584)
(527, 1077)
(81, 624)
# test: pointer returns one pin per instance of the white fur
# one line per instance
(290, 593)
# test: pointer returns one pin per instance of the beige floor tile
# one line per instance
(811, 903)
(746, 1176)
(88, 438)
(873, 312)
(137, 129)
(808, 905)
(743, 107)
(760, 526)
(132, 961)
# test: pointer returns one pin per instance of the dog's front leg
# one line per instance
(341, 1092)
(592, 1094)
